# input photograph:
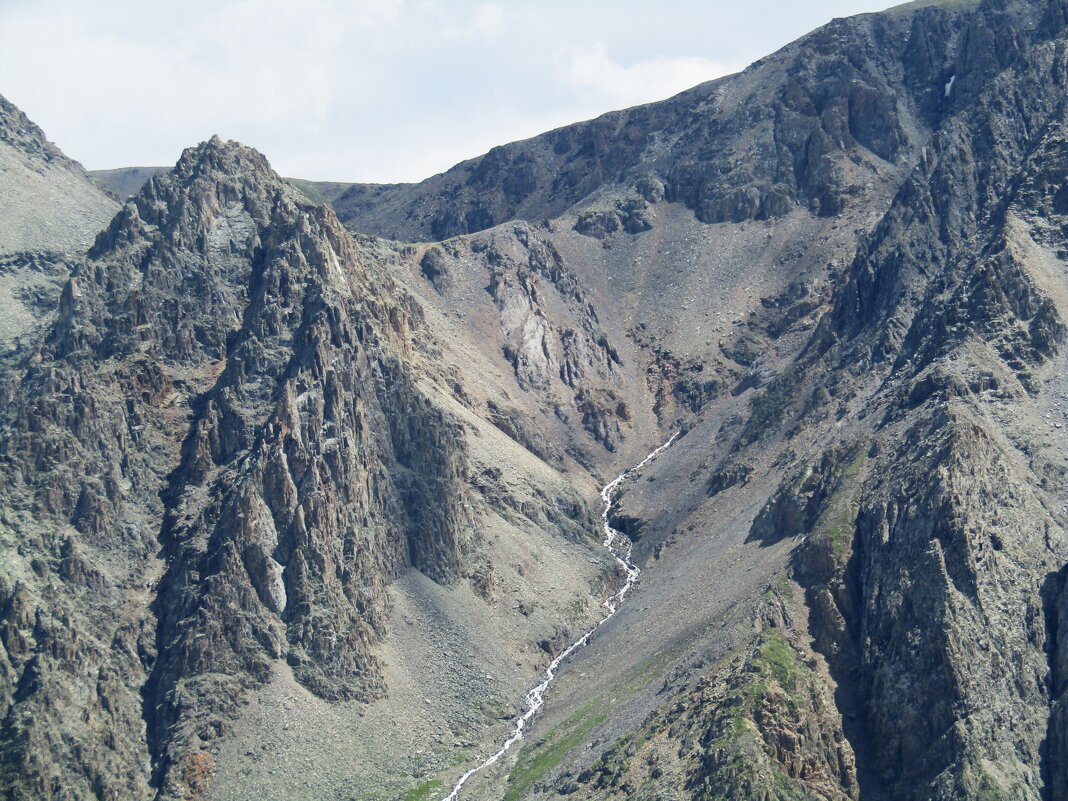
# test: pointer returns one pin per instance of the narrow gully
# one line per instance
(614, 541)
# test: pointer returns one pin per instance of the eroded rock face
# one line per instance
(541, 353)
(1057, 619)
(929, 577)
(966, 543)
(630, 215)
(549, 331)
(922, 469)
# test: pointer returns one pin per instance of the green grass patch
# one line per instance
(424, 792)
(739, 728)
(780, 659)
(855, 466)
(752, 694)
(780, 587)
(639, 678)
(840, 520)
(538, 759)
(774, 661)
(547, 754)
(840, 529)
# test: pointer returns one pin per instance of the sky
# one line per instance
(365, 90)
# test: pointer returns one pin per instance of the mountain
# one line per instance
(811, 125)
(907, 462)
(48, 201)
(125, 182)
(49, 209)
(293, 510)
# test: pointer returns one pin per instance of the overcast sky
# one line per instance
(365, 90)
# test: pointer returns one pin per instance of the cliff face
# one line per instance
(939, 611)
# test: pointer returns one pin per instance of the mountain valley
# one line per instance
(299, 481)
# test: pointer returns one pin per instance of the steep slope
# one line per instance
(49, 211)
(340, 488)
(960, 522)
(871, 389)
(48, 201)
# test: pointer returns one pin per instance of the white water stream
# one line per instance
(536, 697)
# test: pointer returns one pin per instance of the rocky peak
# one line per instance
(209, 180)
(243, 425)
(177, 268)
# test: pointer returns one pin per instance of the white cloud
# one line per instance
(485, 22)
(240, 67)
(592, 72)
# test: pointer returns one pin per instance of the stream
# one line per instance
(620, 547)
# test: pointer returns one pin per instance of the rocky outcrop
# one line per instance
(434, 268)
(1056, 598)
(761, 726)
(223, 448)
(921, 474)
(549, 331)
(802, 500)
(630, 215)
(935, 567)
(539, 353)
